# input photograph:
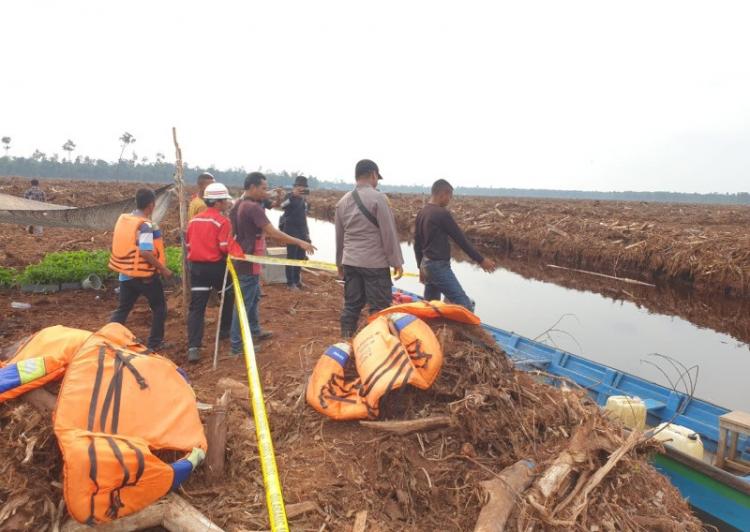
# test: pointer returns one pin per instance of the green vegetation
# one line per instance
(8, 277)
(73, 266)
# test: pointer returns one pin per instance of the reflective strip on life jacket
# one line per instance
(41, 359)
(126, 255)
(433, 310)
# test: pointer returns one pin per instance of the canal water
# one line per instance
(613, 332)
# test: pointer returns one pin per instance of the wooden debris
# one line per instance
(216, 435)
(597, 274)
(300, 508)
(360, 521)
(409, 426)
(172, 512)
(503, 492)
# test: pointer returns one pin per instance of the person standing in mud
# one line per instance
(367, 246)
(251, 226)
(37, 194)
(138, 256)
(294, 222)
(434, 226)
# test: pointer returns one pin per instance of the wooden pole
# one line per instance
(216, 434)
(218, 321)
(180, 183)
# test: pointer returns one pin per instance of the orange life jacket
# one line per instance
(41, 359)
(425, 351)
(329, 392)
(432, 310)
(390, 352)
(126, 255)
(118, 402)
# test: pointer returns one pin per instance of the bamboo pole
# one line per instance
(180, 182)
(218, 321)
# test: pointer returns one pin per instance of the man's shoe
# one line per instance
(263, 335)
(194, 354)
(292, 287)
(164, 346)
(241, 353)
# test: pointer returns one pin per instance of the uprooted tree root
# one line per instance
(429, 480)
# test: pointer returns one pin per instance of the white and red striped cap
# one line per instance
(216, 191)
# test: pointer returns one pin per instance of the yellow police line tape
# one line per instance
(274, 497)
(312, 264)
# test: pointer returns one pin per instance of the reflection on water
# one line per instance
(615, 332)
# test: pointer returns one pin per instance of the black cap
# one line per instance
(300, 181)
(366, 166)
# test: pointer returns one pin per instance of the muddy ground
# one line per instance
(428, 481)
(425, 481)
(706, 247)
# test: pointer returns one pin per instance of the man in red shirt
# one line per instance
(209, 240)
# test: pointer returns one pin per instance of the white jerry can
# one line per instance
(631, 411)
(681, 438)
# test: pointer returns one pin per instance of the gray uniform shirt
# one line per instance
(358, 241)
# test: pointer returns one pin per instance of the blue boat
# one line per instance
(722, 496)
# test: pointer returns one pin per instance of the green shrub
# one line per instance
(8, 277)
(73, 266)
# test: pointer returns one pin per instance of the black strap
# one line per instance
(97, 385)
(92, 475)
(363, 209)
(141, 461)
(111, 391)
(142, 384)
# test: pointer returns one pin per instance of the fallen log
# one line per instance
(503, 491)
(410, 425)
(172, 512)
(216, 435)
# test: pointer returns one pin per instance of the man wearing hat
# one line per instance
(367, 246)
(294, 223)
(209, 240)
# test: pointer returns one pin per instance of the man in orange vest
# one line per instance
(138, 256)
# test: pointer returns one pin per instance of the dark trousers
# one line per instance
(205, 276)
(371, 286)
(293, 272)
(153, 291)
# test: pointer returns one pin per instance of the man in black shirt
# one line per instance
(433, 249)
(294, 222)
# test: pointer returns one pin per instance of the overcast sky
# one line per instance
(568, 95)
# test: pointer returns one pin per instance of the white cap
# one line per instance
(216, 191)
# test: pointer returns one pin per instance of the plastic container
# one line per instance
(631, 411)
(681, 438)
(20, 306)
(274, 273)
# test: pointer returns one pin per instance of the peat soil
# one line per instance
(423, 481)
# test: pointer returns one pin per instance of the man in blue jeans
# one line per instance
(251, 226)
(434, 226)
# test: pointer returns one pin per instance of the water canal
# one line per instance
(608, 330)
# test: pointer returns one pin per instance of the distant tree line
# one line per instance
(141, 169)
(131, 169)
